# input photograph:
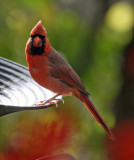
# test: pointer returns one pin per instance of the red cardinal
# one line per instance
(49, 69)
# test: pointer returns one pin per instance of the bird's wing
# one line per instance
(60, 69)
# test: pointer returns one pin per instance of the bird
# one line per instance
(50, 70)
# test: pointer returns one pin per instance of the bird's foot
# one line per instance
(50, 101)
(59, 100)
(42, 103)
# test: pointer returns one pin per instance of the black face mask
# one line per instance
(37, 50)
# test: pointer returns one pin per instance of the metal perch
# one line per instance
(18, 91)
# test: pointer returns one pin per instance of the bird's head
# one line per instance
(39, 44)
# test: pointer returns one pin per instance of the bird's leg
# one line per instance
(50, 101)
(59, 100)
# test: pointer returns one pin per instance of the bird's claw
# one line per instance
(59, 100)
(41, 103)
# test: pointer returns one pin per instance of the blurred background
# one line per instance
(97, 38)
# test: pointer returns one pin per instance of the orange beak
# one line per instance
(37, 42)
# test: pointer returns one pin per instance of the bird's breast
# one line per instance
(38, 69)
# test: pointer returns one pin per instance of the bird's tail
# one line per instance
(96, 115)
